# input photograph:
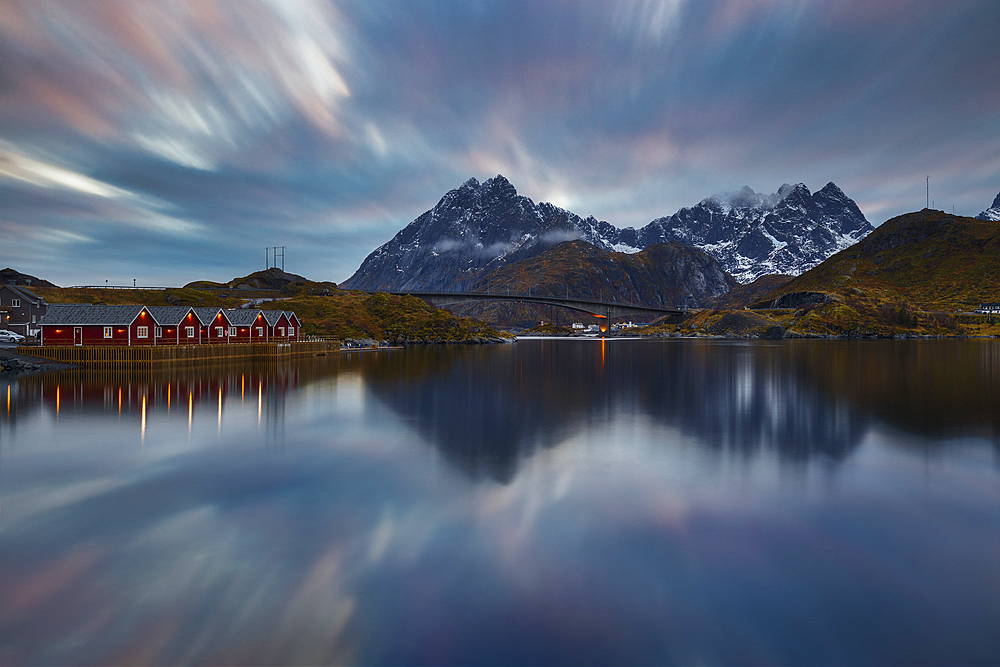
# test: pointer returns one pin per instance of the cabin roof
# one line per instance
(169, 314)
(80, 314)
(272, 316)
(242, 316)
(207, 314)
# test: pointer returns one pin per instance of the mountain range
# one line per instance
(479, 227)
(993, 212)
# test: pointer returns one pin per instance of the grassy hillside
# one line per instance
(665, 274)
(339, 314)
(744, 295)
(920, 273)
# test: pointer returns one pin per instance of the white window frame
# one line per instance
(108, 332)
(158, 332)
(15, 303)
(142, 332)
(260, 332)
(218, 332)
(232, 331)
(189, 331)
(281, 331)
(291, 331)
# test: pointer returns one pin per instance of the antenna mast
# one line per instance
(928, 204)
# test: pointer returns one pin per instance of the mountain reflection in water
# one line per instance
(488, 409)
(549, 502)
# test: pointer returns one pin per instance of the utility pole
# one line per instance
(928, 204)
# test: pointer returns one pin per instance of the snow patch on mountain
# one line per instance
(478, 227)
(993, 212)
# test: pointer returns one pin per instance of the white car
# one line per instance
(10, 337)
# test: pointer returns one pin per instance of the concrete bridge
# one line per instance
(603, 309)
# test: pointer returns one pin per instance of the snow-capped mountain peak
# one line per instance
(481, 226)
(993, 212)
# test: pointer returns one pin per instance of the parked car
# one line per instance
(10, 337)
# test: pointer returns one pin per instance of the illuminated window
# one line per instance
(281, 331)
(142, 332)
(159, 332)
(232, 331)
(107, 332)
(189, 331)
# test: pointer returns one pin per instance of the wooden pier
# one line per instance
(107, 357)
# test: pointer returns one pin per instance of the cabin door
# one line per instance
(77, 335)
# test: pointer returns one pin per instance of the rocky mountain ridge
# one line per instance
(478, 227)
(753, 234)
(993, 212)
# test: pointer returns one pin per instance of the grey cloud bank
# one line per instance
(173, 141)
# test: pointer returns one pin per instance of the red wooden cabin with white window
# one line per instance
(214, 325)
(294, 326)
(246, 325)
(177, 325)
(277, 325)
(84, 324)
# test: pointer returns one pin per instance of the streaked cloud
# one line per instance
(211, 129)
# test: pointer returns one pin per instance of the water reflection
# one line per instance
(487, 410)
(617, 502)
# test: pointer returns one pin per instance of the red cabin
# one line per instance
(277, 325)
(84, 324)
(177, 325)
(214, 325)
(294, 326)
(246, 326)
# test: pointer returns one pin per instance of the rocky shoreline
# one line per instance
(12, 363)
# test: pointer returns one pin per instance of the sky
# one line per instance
(171, 141)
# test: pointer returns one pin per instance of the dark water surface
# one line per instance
(556, 501)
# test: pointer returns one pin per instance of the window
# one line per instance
(142, 332)
(260, 331)
(15, 303)
(159, 332)
(189, 331)
(232, 331)
(33, 320)
(218, 332)
(291, 331)
(281, 331)
(107, 332)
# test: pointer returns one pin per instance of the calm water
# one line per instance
(569, 502)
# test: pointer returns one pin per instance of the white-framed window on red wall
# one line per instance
(107, 332)
(189, 331)
(142, 332)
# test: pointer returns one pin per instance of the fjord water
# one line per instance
(552, 501)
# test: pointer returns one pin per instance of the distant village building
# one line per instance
(97, 325)
(988, 308)
(20, 309)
